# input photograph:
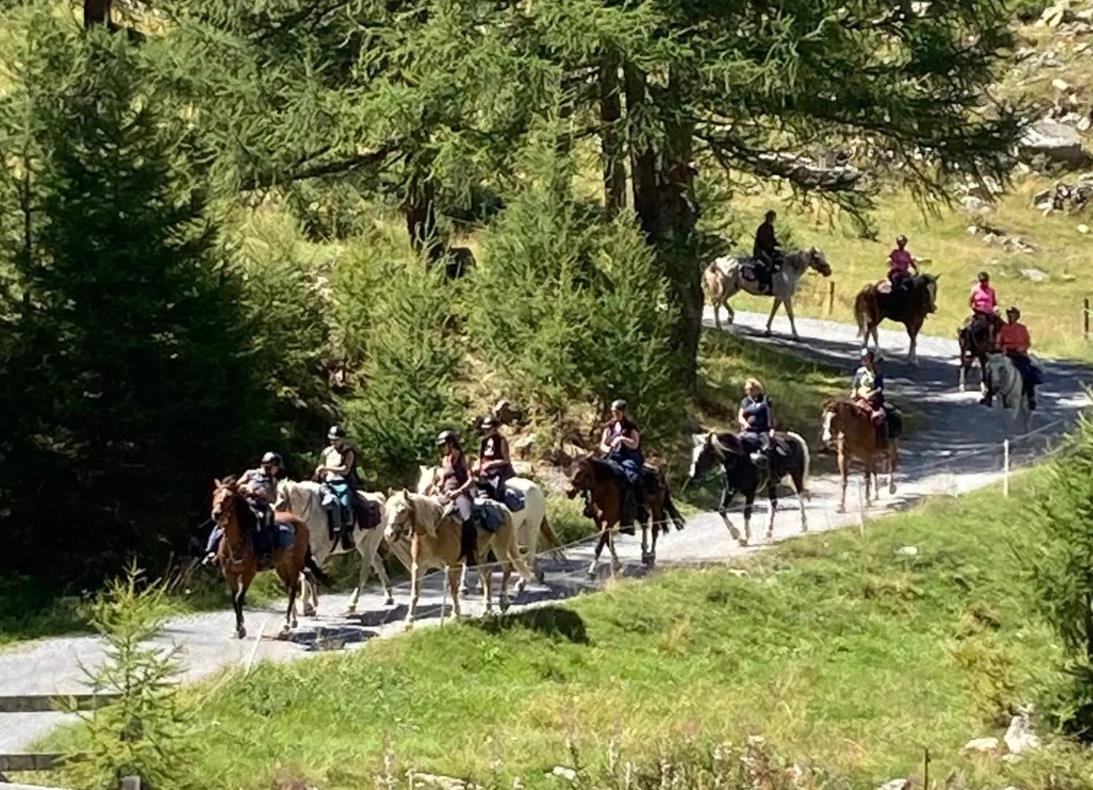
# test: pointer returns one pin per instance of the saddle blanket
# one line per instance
(515, 500)
(489, 514)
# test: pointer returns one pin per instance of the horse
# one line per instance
(305, 500)
(851, 429)
(239, 561)
(531, 521)
(1002, 380)
(599, 480)
(728, 275)
(742, 475)
(976, 339)
(909, 307)
(416, 516)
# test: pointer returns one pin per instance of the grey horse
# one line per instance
(1003, 382)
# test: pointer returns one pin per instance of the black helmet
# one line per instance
(619, 405)
(335, 432)
(272, 458)
(901, 239)
(446, 436)
(983, 277)
(1014, 312)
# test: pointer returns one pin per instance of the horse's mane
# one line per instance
(601, 470)
(726, 442)
(244, 516)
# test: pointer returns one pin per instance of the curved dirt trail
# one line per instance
(957, 448)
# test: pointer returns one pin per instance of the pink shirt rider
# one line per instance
(983, 299)
(899, 261)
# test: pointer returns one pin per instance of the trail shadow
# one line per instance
(555, 622)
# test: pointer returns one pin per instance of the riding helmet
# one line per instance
(272, 458)
(490, 422)
(901, 239)
(619, 405)
(446, 436)
(335, 432)
(1014, 312)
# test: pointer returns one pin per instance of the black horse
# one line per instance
(741, 474)
(976, 340)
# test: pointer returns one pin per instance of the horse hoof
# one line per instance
(616, 568)
(241, 632)
(348, 610)
(310, 611)
(389, 600)
(521, 585)
(840, 509)
(540, 577)
(743, 541)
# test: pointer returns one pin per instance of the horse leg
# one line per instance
(844, 478)
(415, 591)
(792, 321)
(893, 454)
(716, 313)
(723, 509)
(616, 565)
(773, 310)
(912, 332)
(291, 584)
(749, 502)
(456, 592)
(239, 595)
(385, 580)
(799, 487)
(772, 492)
(731, 319)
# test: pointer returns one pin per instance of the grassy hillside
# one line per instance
(836, 649)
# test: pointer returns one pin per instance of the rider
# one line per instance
(766, 251)
(456, 485)
(901, 264)
(621, 445)
(867, 387)
(494, 465)
(756, 418)
(337, 471)
(1014, 341)
(259, 487)
(984, 303)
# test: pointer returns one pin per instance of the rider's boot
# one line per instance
(629, 507)
(1032, 397)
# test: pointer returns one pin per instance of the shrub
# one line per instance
(572, 310)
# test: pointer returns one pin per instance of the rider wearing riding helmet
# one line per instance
(1014, 341)
(456, 484)
(620, 444)
(494, 465)
(337, 471)
(901, 264)
(867, 387)
(259, 487)
(756, 419)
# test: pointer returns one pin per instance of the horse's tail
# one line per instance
(670, 508)
(807, 461)
(862, 312)
(317, 572)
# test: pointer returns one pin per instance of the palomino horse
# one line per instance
(604, 489)
(976, 339)
(1003, 381)
(726, 277)
(238, 560)
(850, 428)
(421, 518)
(741, 474)
(305, 500)
(530, 522)
(908, 306)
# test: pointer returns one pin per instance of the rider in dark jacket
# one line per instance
(766, 250)
(494, 463)
(621, 446)
(756, 419)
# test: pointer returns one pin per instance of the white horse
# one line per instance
(1003, 382)
(727, 276)
(530, 523)
(305, 501)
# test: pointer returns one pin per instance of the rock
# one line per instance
(1060, 85)
(1019, 737)
(973, 230)
(1055, 141)
(523, 446)
(438, 781)
(973, 205)
(561, 772)
(1083, 229)
(1017, 244)
(1085, 46)
(907, 551)
(981, 745)
(1035, 275)
(896, 784)
(1056, 15)
(572, 451)
(1085, 124)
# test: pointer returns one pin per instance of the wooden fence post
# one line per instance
(831, 298)
(1085, 318)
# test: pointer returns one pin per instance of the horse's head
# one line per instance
(284, 496)
(426, 480)
(817, 261)
(399, 515)
(224, 494)
(930, 285)
(708, 452)
(829, 414)
(580, 477)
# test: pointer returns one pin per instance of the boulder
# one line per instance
(1056, 141)
(1060, 85)
(896, 784)
(981, 746)
(564, 773)
(1035, 275)
(974, 205)
(1083, 229)
(907, 551)
(1019, 736)
(439, 782)
(1057, 14)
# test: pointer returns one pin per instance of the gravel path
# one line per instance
(957, 448)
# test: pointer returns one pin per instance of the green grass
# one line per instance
(836, 650)
(1051, 309)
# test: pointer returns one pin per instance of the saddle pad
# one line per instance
(271, 539)
(515, 500)
(492, 519)
(372, 513)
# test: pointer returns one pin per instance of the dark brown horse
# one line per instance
(909, 306)
(851, 429)
(976, 339)
(238, 560)
(598, 480)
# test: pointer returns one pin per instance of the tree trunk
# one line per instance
(419, 208)
(614, 165)
(96, 12)
(665, 203)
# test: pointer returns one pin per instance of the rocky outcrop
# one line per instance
(1054, 142)
(1066, 197)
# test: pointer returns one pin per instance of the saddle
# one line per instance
(271, 539)
(515, 500)
(756, 271)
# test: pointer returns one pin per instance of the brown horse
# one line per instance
(238, 560)
(598, 479)
(436, 542)
(875, 302)
(850, 428)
